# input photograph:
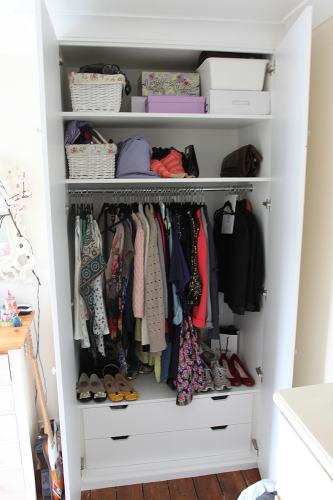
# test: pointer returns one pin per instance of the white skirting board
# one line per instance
(166, 470)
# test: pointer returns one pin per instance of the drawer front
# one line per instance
(6, 399)
(10, 455)
(8, 428)
(239, 102)
(4, 370)
(146, 418)
(12, 485)
(167, 446)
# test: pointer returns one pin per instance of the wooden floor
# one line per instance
(225, 486)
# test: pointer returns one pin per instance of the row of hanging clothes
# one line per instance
(146, 282)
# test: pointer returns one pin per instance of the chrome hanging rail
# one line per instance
(168, 190)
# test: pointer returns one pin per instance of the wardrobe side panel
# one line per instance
(289, 141)
(54, 171)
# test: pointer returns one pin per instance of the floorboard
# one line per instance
(103, 494)
(86, 495)
(251, 476)
(156, 491)
(207, 487)
(224, 486)
(131, 492)
(182, 489)
(232, 484)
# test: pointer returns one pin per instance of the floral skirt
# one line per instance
(190, 378)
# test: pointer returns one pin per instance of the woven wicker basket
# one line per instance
(91, 161)
(96, 92)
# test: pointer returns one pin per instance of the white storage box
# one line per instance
(138, 104)
(219, 73)
(238, 102)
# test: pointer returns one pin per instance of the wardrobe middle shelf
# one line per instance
(164, 120)
(189, 182)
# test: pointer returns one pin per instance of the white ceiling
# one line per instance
(272, 11)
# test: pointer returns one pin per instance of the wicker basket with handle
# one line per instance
(96, 92)
(92, 161)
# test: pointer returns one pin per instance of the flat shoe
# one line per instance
(83, 392)
(112, 389)
(127, 389)
(97, 389)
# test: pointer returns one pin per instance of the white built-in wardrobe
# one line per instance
(155, 439)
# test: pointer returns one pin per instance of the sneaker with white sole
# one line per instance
(221, 381)
(209, 383)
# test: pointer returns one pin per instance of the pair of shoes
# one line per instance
(207, 354)
(216, 378)
(118, 388)
(169, 166)
(236, 371)
(90, 388)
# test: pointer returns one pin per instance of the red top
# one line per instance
(199, 311)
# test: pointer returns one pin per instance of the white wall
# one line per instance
(314, 343)
(20, 144)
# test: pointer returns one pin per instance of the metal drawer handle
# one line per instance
(219, 427)
(116, 438)
(217, 398)
(120, 407)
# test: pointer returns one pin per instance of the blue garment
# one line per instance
(177, 308)
(133, 158)
(165, 362)
(213, 278)
(179, 274)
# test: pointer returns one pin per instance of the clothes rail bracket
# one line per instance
(255, 445)
(267, 203)
(259, 373)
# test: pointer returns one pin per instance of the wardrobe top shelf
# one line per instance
(164, 120)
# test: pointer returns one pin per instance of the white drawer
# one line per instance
(10, 455)
(4, 370)
(8, 428)
(239, 102)
(143, 418)
(12, 486)
(167, 446)
(6, 399)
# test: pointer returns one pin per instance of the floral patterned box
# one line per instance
(170, 83)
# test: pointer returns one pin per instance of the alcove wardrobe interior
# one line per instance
(213, 434)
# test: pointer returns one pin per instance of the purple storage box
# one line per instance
(175, 104)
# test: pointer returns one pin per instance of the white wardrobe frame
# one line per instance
(291, 56)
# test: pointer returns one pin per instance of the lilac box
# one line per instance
(175, 104)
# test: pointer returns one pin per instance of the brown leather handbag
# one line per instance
(244, 162)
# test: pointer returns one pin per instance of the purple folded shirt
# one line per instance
(133, 159)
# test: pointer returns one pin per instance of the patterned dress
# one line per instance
(190, 378)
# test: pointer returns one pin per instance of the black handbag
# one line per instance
(244, 162)
(190, 162)
(106, 69)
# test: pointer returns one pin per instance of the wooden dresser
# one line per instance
(17, 415)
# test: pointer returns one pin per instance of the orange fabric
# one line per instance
(200, 311)
(173, 162)
(161, 170)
